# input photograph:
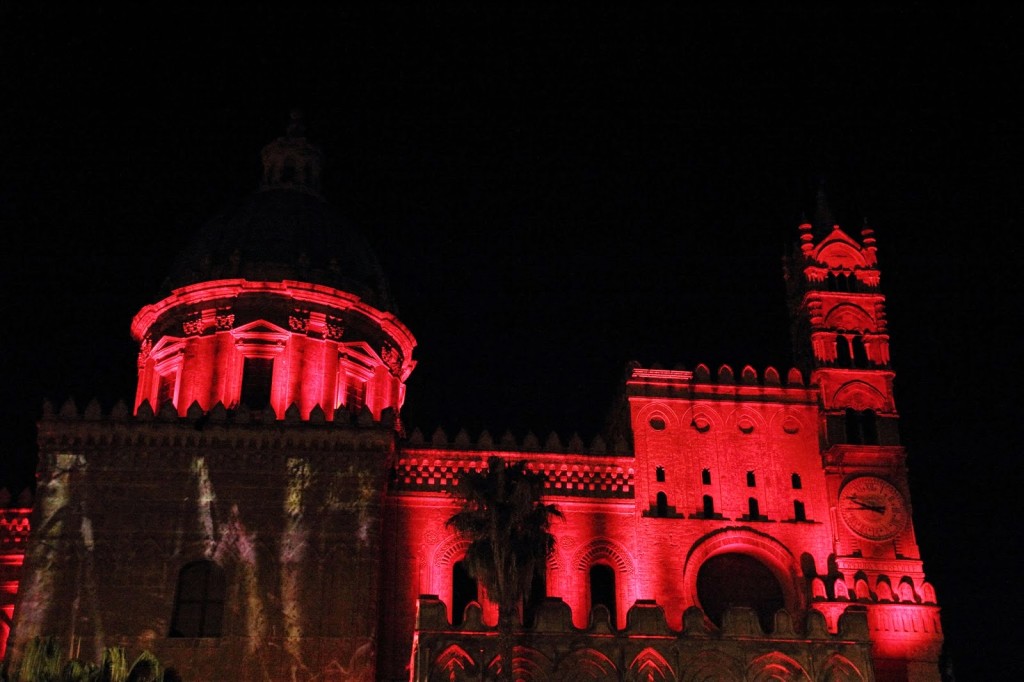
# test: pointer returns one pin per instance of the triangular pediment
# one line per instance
(839, 251)
(260, 327)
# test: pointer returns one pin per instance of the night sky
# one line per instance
(554, 193)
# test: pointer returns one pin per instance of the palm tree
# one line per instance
(508, 529)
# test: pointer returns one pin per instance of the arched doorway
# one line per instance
(735, 579)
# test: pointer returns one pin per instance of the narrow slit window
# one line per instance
(705, 476)
(799, 513)
(709, 506)
(464, 591)
(751, 479)
(860, 354)
(753, 509)
(659, 474)
(797, 483)
(843, 358)
(661, 505)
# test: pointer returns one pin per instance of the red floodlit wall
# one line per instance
(14, 531)
(752, 445)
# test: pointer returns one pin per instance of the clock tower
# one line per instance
(841, 342)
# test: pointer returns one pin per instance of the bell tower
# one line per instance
(841, 341)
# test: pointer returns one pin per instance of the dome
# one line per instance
(285, 231)
(283, 234)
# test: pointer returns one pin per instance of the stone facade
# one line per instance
(259, 511)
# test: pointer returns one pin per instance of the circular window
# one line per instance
(701, 424)
(657, 423)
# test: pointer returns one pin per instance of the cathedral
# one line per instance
(259, 511)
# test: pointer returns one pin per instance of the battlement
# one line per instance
(426, 470)
(218, 414)
(509, 443)
(14, 529)
(647, 648)
(239, 431)
(747, 385)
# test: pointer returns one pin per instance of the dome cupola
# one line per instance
(277, 301)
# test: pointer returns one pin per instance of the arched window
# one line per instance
(799, 513)
(602, 588)
(869, 429)
(797, 483)
(464, 591)
(199, 602)
(661, 508)
(538, 592)
(843, 358)
(861, 428)
(860, 353)
(853, 432)
(709, 506)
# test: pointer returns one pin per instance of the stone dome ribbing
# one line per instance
(277, 234)
(285, 231)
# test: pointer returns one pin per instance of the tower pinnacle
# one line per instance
(291, 161)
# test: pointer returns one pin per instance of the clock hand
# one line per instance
(878, 509)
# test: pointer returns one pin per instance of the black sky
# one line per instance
(553, 193)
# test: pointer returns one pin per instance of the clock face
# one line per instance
(872, 508)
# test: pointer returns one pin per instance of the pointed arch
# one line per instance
(859, 395)
(603, 550)
(650, 666)
(712, 666)
(587, 665)
(775, 666)
(658, 410)
(615, 585)
(449, 583)
(703, 418)
(528, 665)
(840, 669)
(849, 317)
(746, 420)
(838, 250)
(453, 664)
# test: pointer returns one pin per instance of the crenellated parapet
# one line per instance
(439, 471)
(648, 648)
(725, 383)
(508, 442)
(239, 433)
(14, 529)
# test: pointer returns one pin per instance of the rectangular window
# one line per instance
(257, 377)
(165, 391)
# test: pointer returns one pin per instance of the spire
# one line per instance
(822, 214)
(806, 237)
(867, 236)
(290, 161)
